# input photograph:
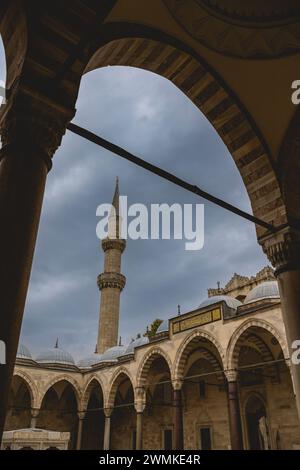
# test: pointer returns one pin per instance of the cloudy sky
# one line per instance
(150, 117)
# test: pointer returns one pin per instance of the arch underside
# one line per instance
(220, 107)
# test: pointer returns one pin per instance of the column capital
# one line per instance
(177, 384)
(32, 127)
(282, 249)
(81, 414)
(108, 412)
(35, 412)
(231, 375)
(140, 399)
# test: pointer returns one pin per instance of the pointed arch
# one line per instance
(184, 349)
(114, 384)
(62, 378)
(88, 390)
(208, 91)
(32, 388)
(147, 361)
(234, 345)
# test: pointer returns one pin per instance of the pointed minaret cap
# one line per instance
(56, 344)
(115, 201)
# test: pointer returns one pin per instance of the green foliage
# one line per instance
(153, 328)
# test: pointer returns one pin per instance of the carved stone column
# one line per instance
(283, 250)
(31, 132)
(34, 416)
(106, 441)
(81, 416)
(140, 404)
(178, 416)
(236, 435)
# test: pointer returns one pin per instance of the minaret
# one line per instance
(111, 281)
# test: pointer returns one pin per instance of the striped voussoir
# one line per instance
(219, 106)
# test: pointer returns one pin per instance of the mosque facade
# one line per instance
(216, 377)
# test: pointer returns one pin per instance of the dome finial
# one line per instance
(96, 349)
(56, 344)
(120, 341)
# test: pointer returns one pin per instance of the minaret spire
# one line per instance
(111, 282)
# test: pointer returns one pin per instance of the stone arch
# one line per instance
(183, 351)
(67, 378)
(178, 63)
(233, 348)
(114, 384)
(33, 391)
(146, 363)
(87, 391)
(15, 50)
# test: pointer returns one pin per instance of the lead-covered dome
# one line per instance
(113, 353)
(265, 290)
(231, 302)
(134, 344)
(90, 361)
(23, 352)
(55, 356)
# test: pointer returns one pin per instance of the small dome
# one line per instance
(113, 353)
(265, 290)
(231, 302)
(23, 352)
(89, 361)
(164, 326)
(134, 344)
(55, 356)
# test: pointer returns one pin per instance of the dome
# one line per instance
(89, 361)
(56, 356)
(265, 290)
(164, 326)
(231, 302)
(113, 353)
(23, 352)
(134, 344)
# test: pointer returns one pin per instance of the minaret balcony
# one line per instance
(116, 280)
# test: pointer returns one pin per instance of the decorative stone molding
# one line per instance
(283, 249)
(114, 279)
(238, 282)
(113, 244)
(32, 127)
(227, 28)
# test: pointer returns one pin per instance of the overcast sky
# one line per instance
(150, 117)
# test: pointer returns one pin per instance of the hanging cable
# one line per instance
(88, 135)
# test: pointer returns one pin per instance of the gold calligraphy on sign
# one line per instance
(197, 320)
